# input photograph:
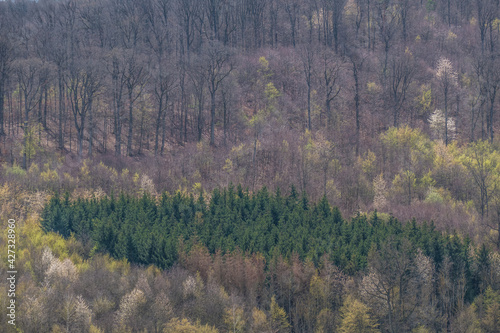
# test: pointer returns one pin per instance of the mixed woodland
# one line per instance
(251, 165)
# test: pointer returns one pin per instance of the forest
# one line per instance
(251, 165)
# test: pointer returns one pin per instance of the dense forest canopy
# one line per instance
(147, 232)
(382, 114)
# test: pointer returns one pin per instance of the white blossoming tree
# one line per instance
(447, 78)
(437, 122)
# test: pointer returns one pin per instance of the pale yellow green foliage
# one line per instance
(433, 196)
(496, 23)
(120, 266)
(482, 161)
(259, 319)
(451, 36)
(49, 175)
(407, 140)
(31, 143)
(38, 238)
(466, 80)
(427, 182)
(95, 329)
(481, 157)
(467, 322)
(318, 289)
(234, 319)
(356, 318)
(491, 322)
(413, 151)
(421, 329)
(372, 87)
(85, 170)
(446, 156)
(424, 100)
(228, 166)
(177, 325)
(404, 184)
(318, 150)
(264, 64)
(278, 317)
(57, 329)
(271, 92)
(6, 202)
(197, 188)
(368, 162)
(325, 321)
(102, 305)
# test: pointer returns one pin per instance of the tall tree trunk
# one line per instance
(309, 102)
(44, 121)
(492, 110)
(163, 131)
(224, 106)
(446, 115)
(61, 111)
(158, 122)
(91, 129)
(118, 129)
(25, 128)
(356, 103)
(141, 136)
(200, 115)
(130, 123)
(212, 117)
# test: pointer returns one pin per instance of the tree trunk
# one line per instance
(130, 123)
(61, 111)
(446, 115)
(492, 104)
(309, 102)
(212, 116)
(26, 113)
(224, 105)
(44, 121)
(328, 113)
(200, 116)
(163, 130)
(158, 122)
(356, 102)
(91, 129)
(118, 129)
(141, 137)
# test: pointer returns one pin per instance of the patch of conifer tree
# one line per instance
(147, 230)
